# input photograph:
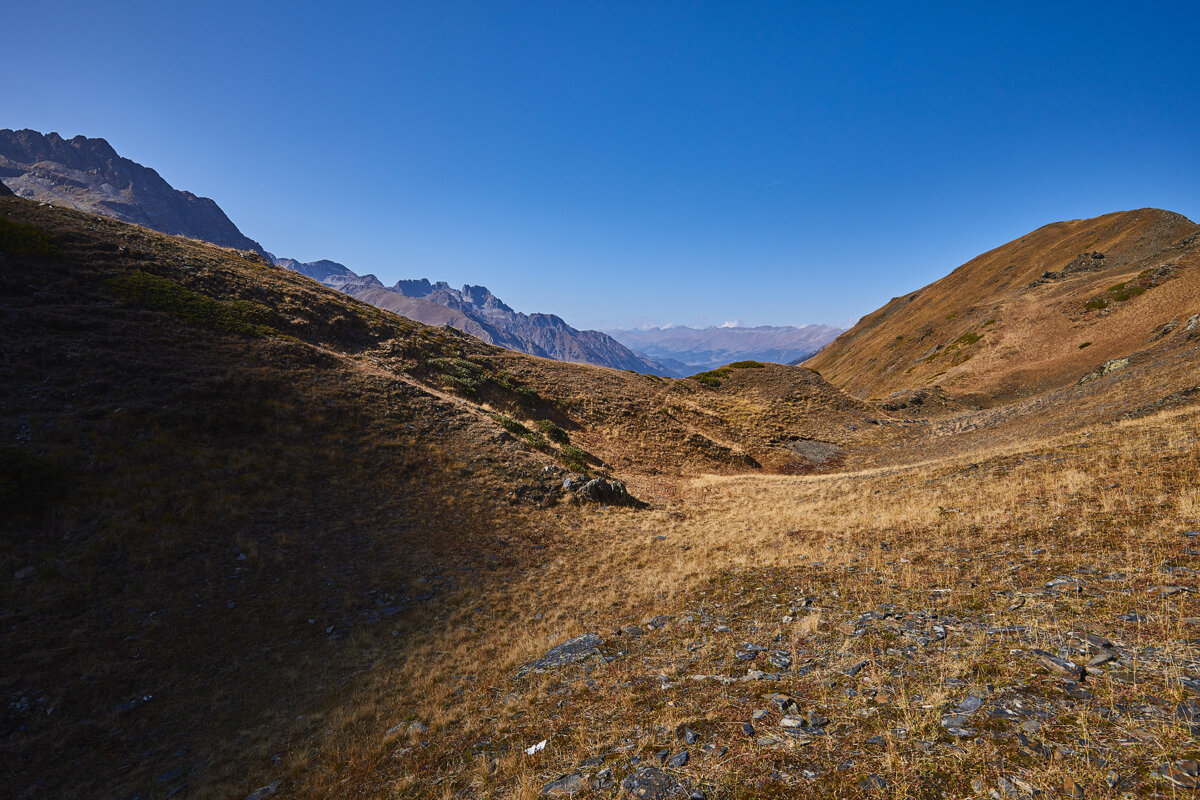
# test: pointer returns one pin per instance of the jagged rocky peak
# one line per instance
(87, 174)
(417, 288)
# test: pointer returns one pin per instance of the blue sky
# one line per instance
(634, 163)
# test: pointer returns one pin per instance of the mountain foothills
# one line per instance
(692, 350)
(261, 538)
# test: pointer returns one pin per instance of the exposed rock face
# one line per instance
(89, 175)
(475, 310)
(693, 350)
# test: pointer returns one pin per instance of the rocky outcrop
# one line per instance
(88, 175)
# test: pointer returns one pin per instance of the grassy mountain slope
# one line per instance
(1037, 313)
(225, 485)
(261, 534)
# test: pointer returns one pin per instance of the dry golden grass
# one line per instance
(291, 455)
(1051, 506)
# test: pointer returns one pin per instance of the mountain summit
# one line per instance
(88, 175)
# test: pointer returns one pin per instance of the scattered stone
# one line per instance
(1167, 591)
(678, 760)
(23, 573)
(759, 713)
(566, 786)
(748, 729)
(1056, 664)
(651, 783)
(1076, 691)
(1072, 788)
(1035, 748)
(714, 750)
(599, 490)
(568, 652)
(872, 783)
(854, 669)
(1184, 774)
(748, 652)
(416, 729)
(264, 791)
(780, 659)
(1007, 630)
(1188, 713)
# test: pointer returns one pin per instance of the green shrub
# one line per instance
(538, 442)
(553, 432)
(577, 459)
(25, 240)
(511, 425)
(161, 294)
(744, 365)
(968, 339)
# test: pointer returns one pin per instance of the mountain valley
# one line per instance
(262, 538)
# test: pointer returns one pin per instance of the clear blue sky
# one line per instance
(634, 162)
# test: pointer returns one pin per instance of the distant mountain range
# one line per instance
(475, 310)
(88, 175)
(692, 350)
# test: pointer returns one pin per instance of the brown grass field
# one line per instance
(258, 535)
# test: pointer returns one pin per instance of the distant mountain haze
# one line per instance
(695, 350)
(88, 175)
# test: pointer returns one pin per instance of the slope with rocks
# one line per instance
(88, 175)
(1039, 313)
(700, 349)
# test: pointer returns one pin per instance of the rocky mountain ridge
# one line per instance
(475, 310)
(87, 174)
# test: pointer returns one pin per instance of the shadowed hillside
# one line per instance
(262, 539)
(226, 488)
